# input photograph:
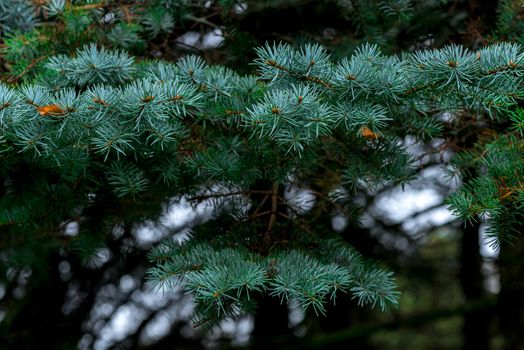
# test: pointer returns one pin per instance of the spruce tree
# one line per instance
(102, 138)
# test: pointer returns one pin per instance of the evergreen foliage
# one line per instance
(16, 16)
(123, 117)
(93, 135)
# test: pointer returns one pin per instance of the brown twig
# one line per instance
(260, 205)
(273, 214)
(26, 69)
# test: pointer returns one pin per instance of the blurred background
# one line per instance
(453, 283)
